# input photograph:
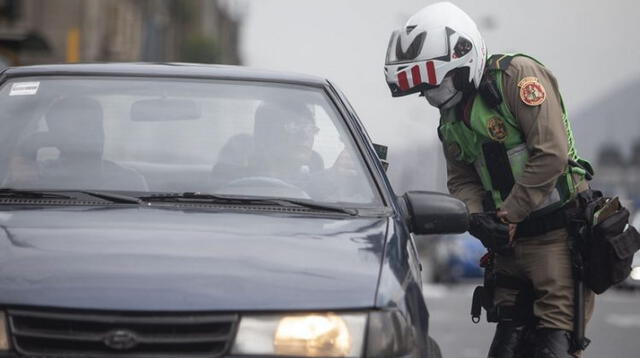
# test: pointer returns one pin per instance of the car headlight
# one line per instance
(635, 273)
(4, 334)
(302, 335)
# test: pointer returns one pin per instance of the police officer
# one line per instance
(511, 158)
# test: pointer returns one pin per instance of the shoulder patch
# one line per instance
(532, 92)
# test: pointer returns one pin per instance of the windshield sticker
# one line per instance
(24, 88)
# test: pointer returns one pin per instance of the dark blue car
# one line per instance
(174, 210)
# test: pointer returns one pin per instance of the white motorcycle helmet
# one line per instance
(440, 39)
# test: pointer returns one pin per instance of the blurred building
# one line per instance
(58, 31)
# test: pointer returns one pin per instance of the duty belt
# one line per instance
(541, 225)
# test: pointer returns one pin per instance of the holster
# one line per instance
(578, 228)
(483, 295)
(520, 313)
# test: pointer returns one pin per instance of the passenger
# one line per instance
(75, 129)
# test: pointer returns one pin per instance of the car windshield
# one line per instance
(179, 135)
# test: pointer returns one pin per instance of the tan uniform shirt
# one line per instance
(546, 139)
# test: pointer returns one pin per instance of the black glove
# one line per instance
(493, 233)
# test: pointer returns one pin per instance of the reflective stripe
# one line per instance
(403, 82)
(415, 75)
(515, 151)
(431, 73)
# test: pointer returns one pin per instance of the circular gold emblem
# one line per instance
(532, 92)
(497, 130)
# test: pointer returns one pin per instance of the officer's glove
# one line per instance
(493, 233)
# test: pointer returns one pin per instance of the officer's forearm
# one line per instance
(535, 185)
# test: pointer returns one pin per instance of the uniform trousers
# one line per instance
(545, 261)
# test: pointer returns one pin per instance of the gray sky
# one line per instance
(591, 47)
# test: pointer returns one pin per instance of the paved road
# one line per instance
(614, 330)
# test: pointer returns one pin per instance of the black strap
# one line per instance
(541, 225)
(477, 303)
(499, 167)
(489, 91)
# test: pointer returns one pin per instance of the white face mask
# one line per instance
(444, 96)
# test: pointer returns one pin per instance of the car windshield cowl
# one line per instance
(246, 200)
(74, 196)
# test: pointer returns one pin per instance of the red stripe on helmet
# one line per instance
(402, 81)
(431, 73)
(415, 75)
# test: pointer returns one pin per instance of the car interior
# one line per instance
(103, 139)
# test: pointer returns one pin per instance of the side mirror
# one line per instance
(435, 213)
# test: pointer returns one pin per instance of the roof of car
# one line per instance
(185, 70)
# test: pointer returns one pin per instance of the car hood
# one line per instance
(161, 259)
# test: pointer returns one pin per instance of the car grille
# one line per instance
(98, 334)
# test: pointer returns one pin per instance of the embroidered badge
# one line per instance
(532, 92)
(497, 130)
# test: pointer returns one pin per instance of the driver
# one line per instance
(283, 138)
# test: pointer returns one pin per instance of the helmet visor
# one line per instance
(410, 44)
(391, 58)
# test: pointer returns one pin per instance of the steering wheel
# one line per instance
(263, 186)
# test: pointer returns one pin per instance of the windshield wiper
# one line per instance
(222, 199)
(199, 197)
(31, 194)
(43, 194)
(314, 205)
(115, 198)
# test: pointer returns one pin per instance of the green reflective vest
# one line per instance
(498, 125)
